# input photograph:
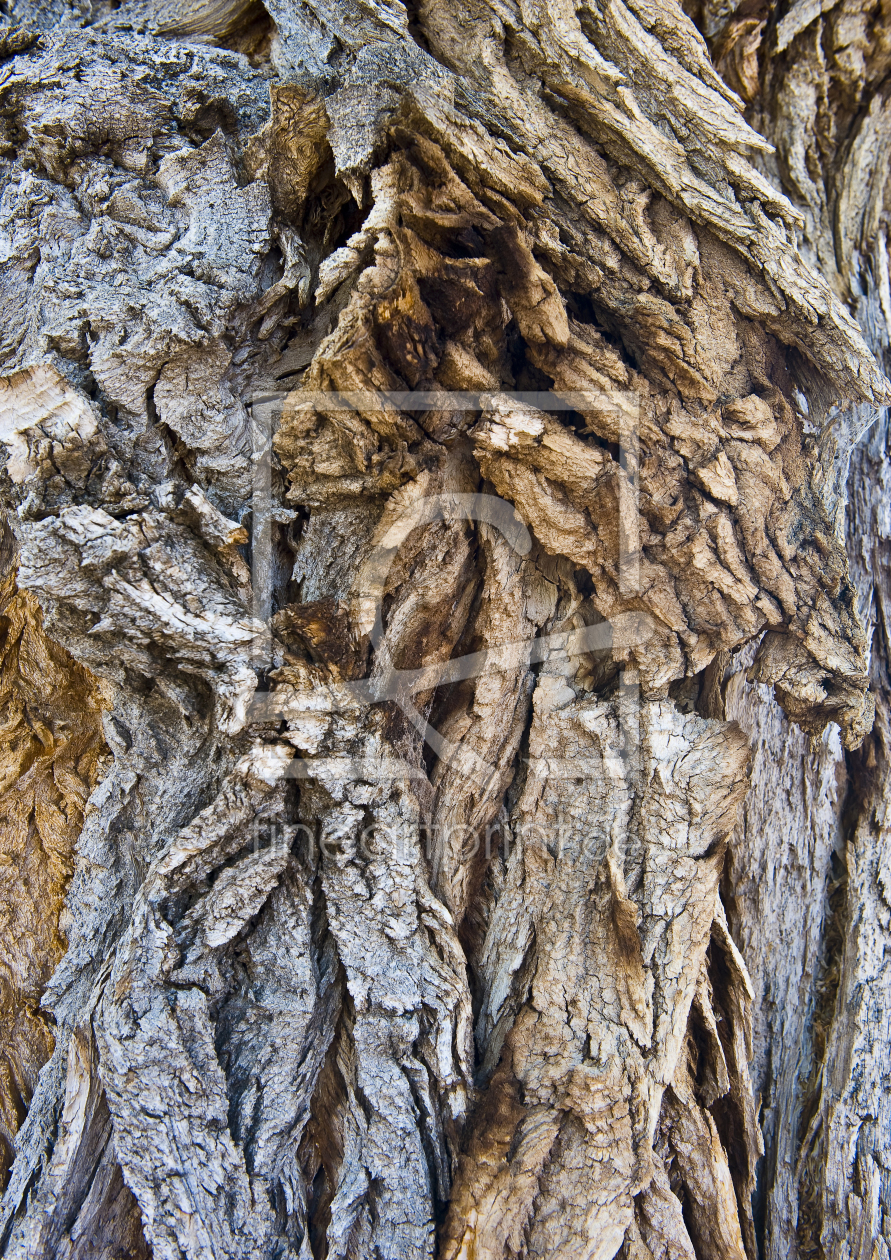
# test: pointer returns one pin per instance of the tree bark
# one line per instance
(445, 603)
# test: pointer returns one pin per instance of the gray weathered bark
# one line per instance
(450, 824)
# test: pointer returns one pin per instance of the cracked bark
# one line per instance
(458, 831)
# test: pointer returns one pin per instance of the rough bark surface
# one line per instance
(444, 668)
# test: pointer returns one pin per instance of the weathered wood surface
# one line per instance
(484, 852)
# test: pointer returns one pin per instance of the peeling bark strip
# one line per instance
(485, 846)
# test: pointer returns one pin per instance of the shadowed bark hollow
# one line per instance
(444, 605)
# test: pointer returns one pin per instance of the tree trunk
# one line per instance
(445, 641)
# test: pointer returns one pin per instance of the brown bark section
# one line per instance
(50, 758)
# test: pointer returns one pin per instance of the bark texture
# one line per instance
(444, 655)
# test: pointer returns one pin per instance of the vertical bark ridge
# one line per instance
(814, 83)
